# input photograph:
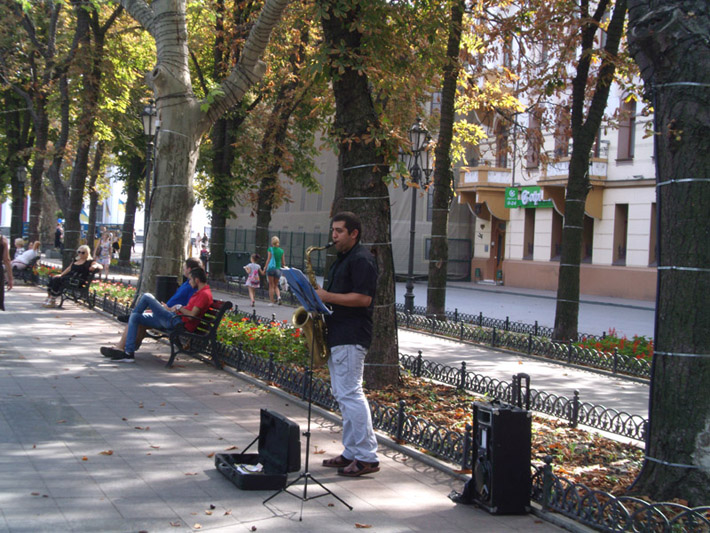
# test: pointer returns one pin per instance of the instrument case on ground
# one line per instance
(279, 451)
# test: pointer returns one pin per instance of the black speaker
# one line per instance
(501, 464)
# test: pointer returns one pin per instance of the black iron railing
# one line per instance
(528, 343)
(606, 512)
(498, 323)
(572, 409)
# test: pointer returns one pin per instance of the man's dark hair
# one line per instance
(193, 262)
(199, 274)
(352, 222)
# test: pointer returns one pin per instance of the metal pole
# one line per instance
(409, 295)
(148, 169)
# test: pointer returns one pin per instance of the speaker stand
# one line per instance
(306, 476)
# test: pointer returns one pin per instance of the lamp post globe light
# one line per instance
(418, 165)
(150, 125)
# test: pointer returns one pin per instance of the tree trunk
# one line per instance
(668, 40)
(360, 185)
(584, 133)
(223, 136)
(183, 123)
(54, 176)
(133, 181)
(443, 175)
(41, 126)
(93, 193)
(92, 58)
(18, 131)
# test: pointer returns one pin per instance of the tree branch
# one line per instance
(142, 13)
(249, 69)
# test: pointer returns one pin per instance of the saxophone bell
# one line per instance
(313, 326)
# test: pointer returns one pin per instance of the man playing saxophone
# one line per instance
(350, 292)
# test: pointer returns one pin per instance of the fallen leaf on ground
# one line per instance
(61, 421)
(197, 526)
(208, 512)
(215, 394)
(210, 455)
(155, 447)
(85, 458)
(175, 524)
(362, 526)
(318, 451)
(106, 452)
(190, 473)
(230, 448)
(228, 512)
(35, 494)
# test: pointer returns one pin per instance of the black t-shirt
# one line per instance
(353, 271)
(82, 271)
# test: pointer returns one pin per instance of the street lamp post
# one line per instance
(418, 165)
(148, 117)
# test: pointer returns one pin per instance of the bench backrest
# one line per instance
(212, 317)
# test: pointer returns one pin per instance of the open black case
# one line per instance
(279, 452)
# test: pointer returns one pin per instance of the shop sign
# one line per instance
(527, 197)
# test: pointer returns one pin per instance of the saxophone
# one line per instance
(313, 326)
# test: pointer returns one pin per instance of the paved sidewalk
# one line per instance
(87, 445)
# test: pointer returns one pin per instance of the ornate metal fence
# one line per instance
(609, 513)
(567, 353)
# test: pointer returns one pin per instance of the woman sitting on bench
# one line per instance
(23, 260)
(81, 268)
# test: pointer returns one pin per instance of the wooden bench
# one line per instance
(77, 288)
(27, 274)
(203, 340)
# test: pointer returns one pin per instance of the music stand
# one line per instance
(306, 295)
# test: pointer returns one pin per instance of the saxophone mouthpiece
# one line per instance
(331, 243)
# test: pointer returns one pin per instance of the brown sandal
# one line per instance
(359, 468)
(337, 462)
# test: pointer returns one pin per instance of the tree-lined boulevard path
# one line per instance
(89, 445)
(597, 388)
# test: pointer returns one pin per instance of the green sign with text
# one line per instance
(527, 197)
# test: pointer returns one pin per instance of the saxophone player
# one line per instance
(350, 292)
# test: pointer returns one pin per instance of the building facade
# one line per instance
(520, 211)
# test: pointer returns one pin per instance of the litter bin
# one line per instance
(235, 263)
(165, 287)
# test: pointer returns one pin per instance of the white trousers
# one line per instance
(346, 364)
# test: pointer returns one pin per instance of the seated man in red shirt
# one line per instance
(162, 317)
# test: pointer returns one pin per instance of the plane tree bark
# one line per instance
(184, 121)
(669, 42)
(360, 185)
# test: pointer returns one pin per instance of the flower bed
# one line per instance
(114, 290)
(286, 343)
(639, 347)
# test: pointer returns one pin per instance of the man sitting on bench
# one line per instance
(161, 318)
(182, 294)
